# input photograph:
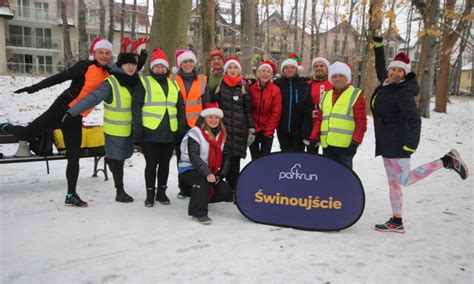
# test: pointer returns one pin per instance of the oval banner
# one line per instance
(301, 191)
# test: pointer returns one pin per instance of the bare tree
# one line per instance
(110, 37)
(102, 18)
(248, 21)
(122, 21)
(81, 25)
(208, 29)
(303, 32)
(448, 39)
(391, 23)
(133, 33)
(346, 34)
(234, 36)
(295, 43)
(68, 59)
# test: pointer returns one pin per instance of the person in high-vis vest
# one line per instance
(85, 76)
(193, 88)
(341, 123)
(158, 121)
(204, 162)
(318, 85)
(116, 93)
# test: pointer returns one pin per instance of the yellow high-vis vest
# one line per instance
(338, 123)
(157, 103)
(118, 114)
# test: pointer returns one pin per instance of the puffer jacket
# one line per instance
(266, 107)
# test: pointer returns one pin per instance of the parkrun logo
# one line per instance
(294, 173)
(308, 203)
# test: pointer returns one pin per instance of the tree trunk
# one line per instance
(68, 58)
(102, 18)
(303, 33)
(361, 43)
(81, 25)
(448, 40)
(248, 36)
(313, 28)
(170, 26)
(208, 30)
(234, 36)
(375, 23)
(295, 39)
(133, 33)
(282, 32)
(122, 21)
(346, 34)
(110, 37)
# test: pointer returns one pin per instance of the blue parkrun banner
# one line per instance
(300, 191)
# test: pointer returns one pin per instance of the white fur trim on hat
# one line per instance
(321, 59)
(159, 61)
(400, 64)
(212, 111)
(265, 65)
(103, 43)
(339, 68)
(188, 55)
(234, 62)
(288, 61)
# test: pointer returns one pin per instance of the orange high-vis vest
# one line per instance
(93, 77)
(193, 99)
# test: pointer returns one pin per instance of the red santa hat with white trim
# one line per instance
(234, 60)
(159, 57)
(212, 109)
(269, 64)
(401, 60)
(182, 55)
(99, 43)
(293, 60)
(321, 59)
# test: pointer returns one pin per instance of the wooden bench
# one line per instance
(10, 139)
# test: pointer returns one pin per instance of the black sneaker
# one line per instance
(452, 160)
(75, 201)
(161, 195)
(390, 226)
(204, 220)
(123, 197)
(180, 195)
(150, 197)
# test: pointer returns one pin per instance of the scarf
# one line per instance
(319, 78)
(232, 81)
(215, 156)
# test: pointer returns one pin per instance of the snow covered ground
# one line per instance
(41, 241)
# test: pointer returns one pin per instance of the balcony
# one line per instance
(33, 42)
(34, 14)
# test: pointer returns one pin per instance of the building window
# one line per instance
(44, 64)
(20, 36)
(93, 18)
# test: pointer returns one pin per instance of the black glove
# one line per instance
(352, 149)
(29, 90)
(142, 59)
(378, 39)
(313, 147)
(66, 117)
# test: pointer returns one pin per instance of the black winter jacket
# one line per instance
(237, 108)
(396, 119)
(296, 102)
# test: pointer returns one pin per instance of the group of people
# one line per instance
(210, 120)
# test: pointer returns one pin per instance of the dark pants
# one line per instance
(195, 185)
(339, 155)
(261, 146)
(72, 133)
(290, 142)
(234, 171)
(116, 167)
(157, 155)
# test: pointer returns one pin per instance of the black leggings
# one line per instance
(234, 171)
(261, 146)
(72, 132)
(157, 155)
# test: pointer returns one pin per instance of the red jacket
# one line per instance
(266, 107)
(317, 89)
(360, 119)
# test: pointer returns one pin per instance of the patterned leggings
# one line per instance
(398, 174)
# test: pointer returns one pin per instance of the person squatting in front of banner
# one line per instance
(266, 109)
(233, 98)
(194, 90)
(116, 93)
(204, 162)
(158, 121)
(341, 122)
(85, 76)
(397, 125)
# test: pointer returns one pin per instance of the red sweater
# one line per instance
(360, 119)
(266, 107)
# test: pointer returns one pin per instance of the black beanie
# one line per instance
(125, 58)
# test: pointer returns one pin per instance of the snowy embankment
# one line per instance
(41, 241)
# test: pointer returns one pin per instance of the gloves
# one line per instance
(378, 41)
(66, 117)
(313, 147)
(352, 149)
(251, 137)
(141, 59)
(29, 90)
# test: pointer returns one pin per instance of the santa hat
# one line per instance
(216, 52)
(159, 57)
(99, 43)
(293, 60)
(401, 60)
(324, 60)
(183, 55)
(339, 68)
(234, 60)
(269, 64)
(212, 109)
